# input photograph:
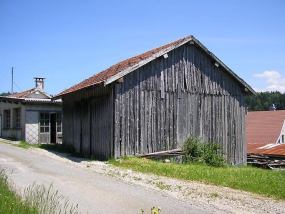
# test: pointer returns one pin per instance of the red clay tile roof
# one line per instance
(262, 128)
(22, 94)
(266, 149)
(117, 68)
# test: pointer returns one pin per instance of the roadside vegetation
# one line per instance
(265, 182)
(204, 162)
(33, 200)
(10, 202)
(209, 153)
(53, 147)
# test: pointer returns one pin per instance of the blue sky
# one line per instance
(68, 41)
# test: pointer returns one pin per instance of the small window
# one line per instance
(58, 122)
(44, 122)
(17, 117)
(7, 120)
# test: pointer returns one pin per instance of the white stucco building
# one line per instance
(31, 116)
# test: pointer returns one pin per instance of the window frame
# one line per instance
(17, 117)
(59, 122)
(7, 118)
(44, 122)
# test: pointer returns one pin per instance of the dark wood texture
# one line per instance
(157, 106)
(171, 98)
(88, 122)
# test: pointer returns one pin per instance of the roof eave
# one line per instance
(77, 91)
(11, 99)
(246, 88)
(24, 100)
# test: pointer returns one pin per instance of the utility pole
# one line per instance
(12, 82)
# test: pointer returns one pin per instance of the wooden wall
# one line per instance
(160, 104)
(87, 122)
(157, 107)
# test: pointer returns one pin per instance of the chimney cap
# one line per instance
(39, 82)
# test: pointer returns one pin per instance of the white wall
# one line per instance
(12, 131)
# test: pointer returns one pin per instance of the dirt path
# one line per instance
(100, 188)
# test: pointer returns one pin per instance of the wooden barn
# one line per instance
(152, 102)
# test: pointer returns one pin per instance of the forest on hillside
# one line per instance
(263, 100)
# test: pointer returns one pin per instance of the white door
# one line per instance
(0, 125)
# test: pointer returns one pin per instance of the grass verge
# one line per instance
(51, 147)
(35, 199)
(10, 202)
(264, 182)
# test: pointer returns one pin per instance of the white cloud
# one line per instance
(274, 80)
(268, 74)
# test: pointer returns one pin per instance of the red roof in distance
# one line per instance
(264, 128)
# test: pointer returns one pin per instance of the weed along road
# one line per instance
(93, 192)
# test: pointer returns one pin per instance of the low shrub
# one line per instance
(205, 152)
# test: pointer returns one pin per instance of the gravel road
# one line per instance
(100, 188)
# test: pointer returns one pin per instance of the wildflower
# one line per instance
(159, 208)
(154, 211)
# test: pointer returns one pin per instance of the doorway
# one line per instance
(53, 127)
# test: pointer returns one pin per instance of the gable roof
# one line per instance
(31, 95)
(263, 128)
(21, 94)
(122, 68)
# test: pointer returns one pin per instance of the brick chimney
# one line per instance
(39, 82)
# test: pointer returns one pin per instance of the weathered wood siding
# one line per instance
(161, 103)
(88, 122)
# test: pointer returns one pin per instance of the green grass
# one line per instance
(35, 199)
(10, 202)
(264, 182)
(24, 145)
(52, 147)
